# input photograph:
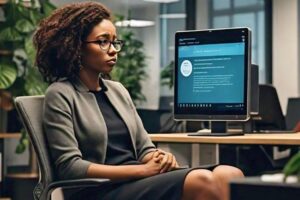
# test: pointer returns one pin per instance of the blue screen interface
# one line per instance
(211, 76)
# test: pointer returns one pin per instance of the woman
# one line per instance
(91, 124)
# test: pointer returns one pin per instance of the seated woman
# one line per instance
(91, 124)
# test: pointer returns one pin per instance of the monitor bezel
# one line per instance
(247, 61)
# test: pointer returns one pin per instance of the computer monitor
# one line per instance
(212, 76)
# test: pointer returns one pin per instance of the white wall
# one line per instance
(286, 49)
(150, 38)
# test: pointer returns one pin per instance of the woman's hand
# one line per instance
(152, 167)
(167, 160)
(159, 158)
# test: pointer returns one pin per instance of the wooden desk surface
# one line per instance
(272, 139)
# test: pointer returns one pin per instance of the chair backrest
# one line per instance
(270, 111)
(30, 109)
(293, 113)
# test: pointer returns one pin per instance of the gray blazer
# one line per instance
(75, 128)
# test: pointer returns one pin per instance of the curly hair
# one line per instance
(60, 36)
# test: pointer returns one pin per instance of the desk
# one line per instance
(269, 139)
(210, 153)
(2, 164)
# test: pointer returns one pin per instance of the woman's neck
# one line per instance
(91, 80)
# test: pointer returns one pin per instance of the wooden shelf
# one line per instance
(10, 135)
(23, 175)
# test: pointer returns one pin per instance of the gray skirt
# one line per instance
(166, 186)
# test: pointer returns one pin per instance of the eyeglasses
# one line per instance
(105, 44)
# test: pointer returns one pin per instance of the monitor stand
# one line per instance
(218, 128)
(249, 126)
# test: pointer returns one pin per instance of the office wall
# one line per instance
(286, 49)
(150, 38)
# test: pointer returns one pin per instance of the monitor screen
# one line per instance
(212, 74)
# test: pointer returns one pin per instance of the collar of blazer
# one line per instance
(80, 86)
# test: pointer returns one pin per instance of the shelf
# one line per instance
(22, 176)
(10, 135)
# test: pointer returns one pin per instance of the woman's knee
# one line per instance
(228, 172)
(200, 176)
(223, 174)
(200, 184)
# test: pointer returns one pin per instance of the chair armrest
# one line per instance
(87, 182)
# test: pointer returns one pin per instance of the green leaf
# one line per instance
(47, 7)
(34, 84)
(8, 75)
(30, 50)
(166, 75)
(10, 34)
(20, 148)
(293, 165)
(24, 26)
(35, 15)
(10, 10)
(23, 142)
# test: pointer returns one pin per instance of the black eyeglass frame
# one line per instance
(110, 42)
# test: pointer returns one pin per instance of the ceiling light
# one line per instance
(173, 16)
(134, 23)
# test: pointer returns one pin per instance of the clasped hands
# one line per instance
(162, 161)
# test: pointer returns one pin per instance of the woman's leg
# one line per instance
(203, 184)
(200, 184)
(223, 174)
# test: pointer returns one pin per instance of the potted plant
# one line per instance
(293, 167)
(166, 75)
(18, 76)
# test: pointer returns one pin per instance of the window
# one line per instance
(253, 14)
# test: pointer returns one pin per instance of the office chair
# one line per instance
(30, 109)
(270, 112)
(293, 113)
(270, 117)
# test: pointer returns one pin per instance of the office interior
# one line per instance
(275, 26)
